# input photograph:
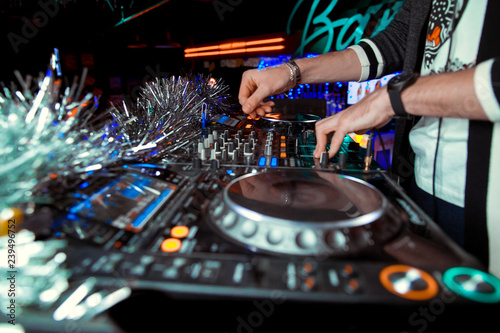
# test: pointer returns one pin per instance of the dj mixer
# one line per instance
(244, 230)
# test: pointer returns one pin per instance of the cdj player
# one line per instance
(246, 231)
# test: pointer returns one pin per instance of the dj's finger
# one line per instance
(322, 128)
(260, 111)
(270, 104)
(247, 87)
(252, 114)
(335, 143)
(265, 108)
(320, 144)
(254, 100)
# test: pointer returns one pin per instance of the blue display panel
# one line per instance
(126, 203)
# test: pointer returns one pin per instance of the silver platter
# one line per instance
(303, 212)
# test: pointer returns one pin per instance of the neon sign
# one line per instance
(318, 35)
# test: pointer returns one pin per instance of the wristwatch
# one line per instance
(395, 86)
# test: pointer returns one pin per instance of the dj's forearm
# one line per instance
(444, 95)
(330, 67)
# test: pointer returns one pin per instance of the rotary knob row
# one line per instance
(272, 237)
(289, 237)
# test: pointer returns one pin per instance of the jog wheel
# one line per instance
(302, 212)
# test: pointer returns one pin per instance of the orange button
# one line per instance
(309, 282)
(348, 270)
(171, 245)
(353, 284)
(179, 231)
(10, 219)
(283, 145)
(419, 295)
(282, 155)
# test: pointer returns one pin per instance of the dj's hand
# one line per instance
(259, 84)
(373, 111)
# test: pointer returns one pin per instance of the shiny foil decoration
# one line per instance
(53, 135)
(47, 134)
(169, 115)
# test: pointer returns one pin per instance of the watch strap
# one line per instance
(395, 87)
(397, 103)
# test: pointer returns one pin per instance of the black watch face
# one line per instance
(400, 80)
(395, 79)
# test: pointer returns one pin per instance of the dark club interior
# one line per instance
(138, 195)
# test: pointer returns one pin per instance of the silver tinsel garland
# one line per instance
(50, 134)
(46, 135)
(169, 114)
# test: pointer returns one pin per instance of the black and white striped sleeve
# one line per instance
(372, 62)
(487, 87)
(385, 52)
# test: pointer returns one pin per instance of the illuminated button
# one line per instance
(238, 273)
(333, 278)
(309, 283)
(308, 267)
(218, 209)
(306, 239)
(291, 277)
(283, 145)
(229, 220)
(282, 155)
(249, 228)
(473, 284)
(274, 162)
(283, 137)
(274, 236)
(337, 239)
(170, 245)
(409, 282)
(179, 231)
(262, 161)
(348, 271)
(352, 286)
